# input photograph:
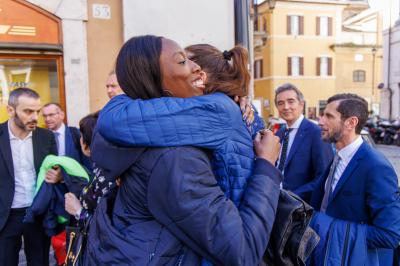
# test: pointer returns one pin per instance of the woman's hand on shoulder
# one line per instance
(246, 108)
(267, 146)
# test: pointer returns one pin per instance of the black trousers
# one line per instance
(36, 242)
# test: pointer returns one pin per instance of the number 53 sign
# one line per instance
(101, 11)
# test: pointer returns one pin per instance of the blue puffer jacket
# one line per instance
(212, 121)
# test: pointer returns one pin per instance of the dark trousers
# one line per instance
(36, 242)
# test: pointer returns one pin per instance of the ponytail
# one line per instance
(227, 71)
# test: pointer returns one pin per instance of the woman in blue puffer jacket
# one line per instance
(168, 209)
(199, 121)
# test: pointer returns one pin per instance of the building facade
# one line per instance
(64, 49)
(390, 89)
(359, 56)
(315, 46)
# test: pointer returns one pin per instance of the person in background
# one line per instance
(92, 192)
(360, 187)
(68, 144)
(23, 147)
(67, 137)
(112, 86)
(303, 156)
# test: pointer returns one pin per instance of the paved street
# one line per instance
(393, 154)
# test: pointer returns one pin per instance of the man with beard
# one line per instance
(360, 187)
(23, 147)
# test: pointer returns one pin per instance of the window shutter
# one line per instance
(301, 63)
(318, 25)
(329, 26)
(288, 25)
(264, 24)
(329, 66)
(318, 66)
(255, 69)
(261, 68)
(301, 25)
(289, 66)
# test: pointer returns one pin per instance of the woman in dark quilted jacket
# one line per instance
(169, 209)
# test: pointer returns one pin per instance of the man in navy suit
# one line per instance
(23, 147)
(304, 156)
(361, 185)
(67, 138)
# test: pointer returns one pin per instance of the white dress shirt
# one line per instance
(60, 134)
(24, 170)
(292, 135)
(345, 155)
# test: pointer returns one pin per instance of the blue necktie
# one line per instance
(56, 136)
(285, 144)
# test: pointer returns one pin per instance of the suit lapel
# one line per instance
(279, 134)
(37, 145)
(349, 170)
(298, 139)
(5, 148)
(67, 138)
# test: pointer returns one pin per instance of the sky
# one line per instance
(386, 6)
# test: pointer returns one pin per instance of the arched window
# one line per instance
(359, 75)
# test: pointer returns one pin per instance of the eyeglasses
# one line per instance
(50, 115)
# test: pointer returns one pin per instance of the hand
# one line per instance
(246, 108)
(72, 204)
(267, 146)
(53, 176)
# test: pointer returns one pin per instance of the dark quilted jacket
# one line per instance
(170, 211)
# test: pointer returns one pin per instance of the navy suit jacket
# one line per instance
(73, 148)
(43, 144)
(308, 158)
(367, 193)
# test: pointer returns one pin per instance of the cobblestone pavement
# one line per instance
(393, 154)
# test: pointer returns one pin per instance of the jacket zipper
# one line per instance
(153, 253)
(180, 260)
(346, 244)
(328, 244)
